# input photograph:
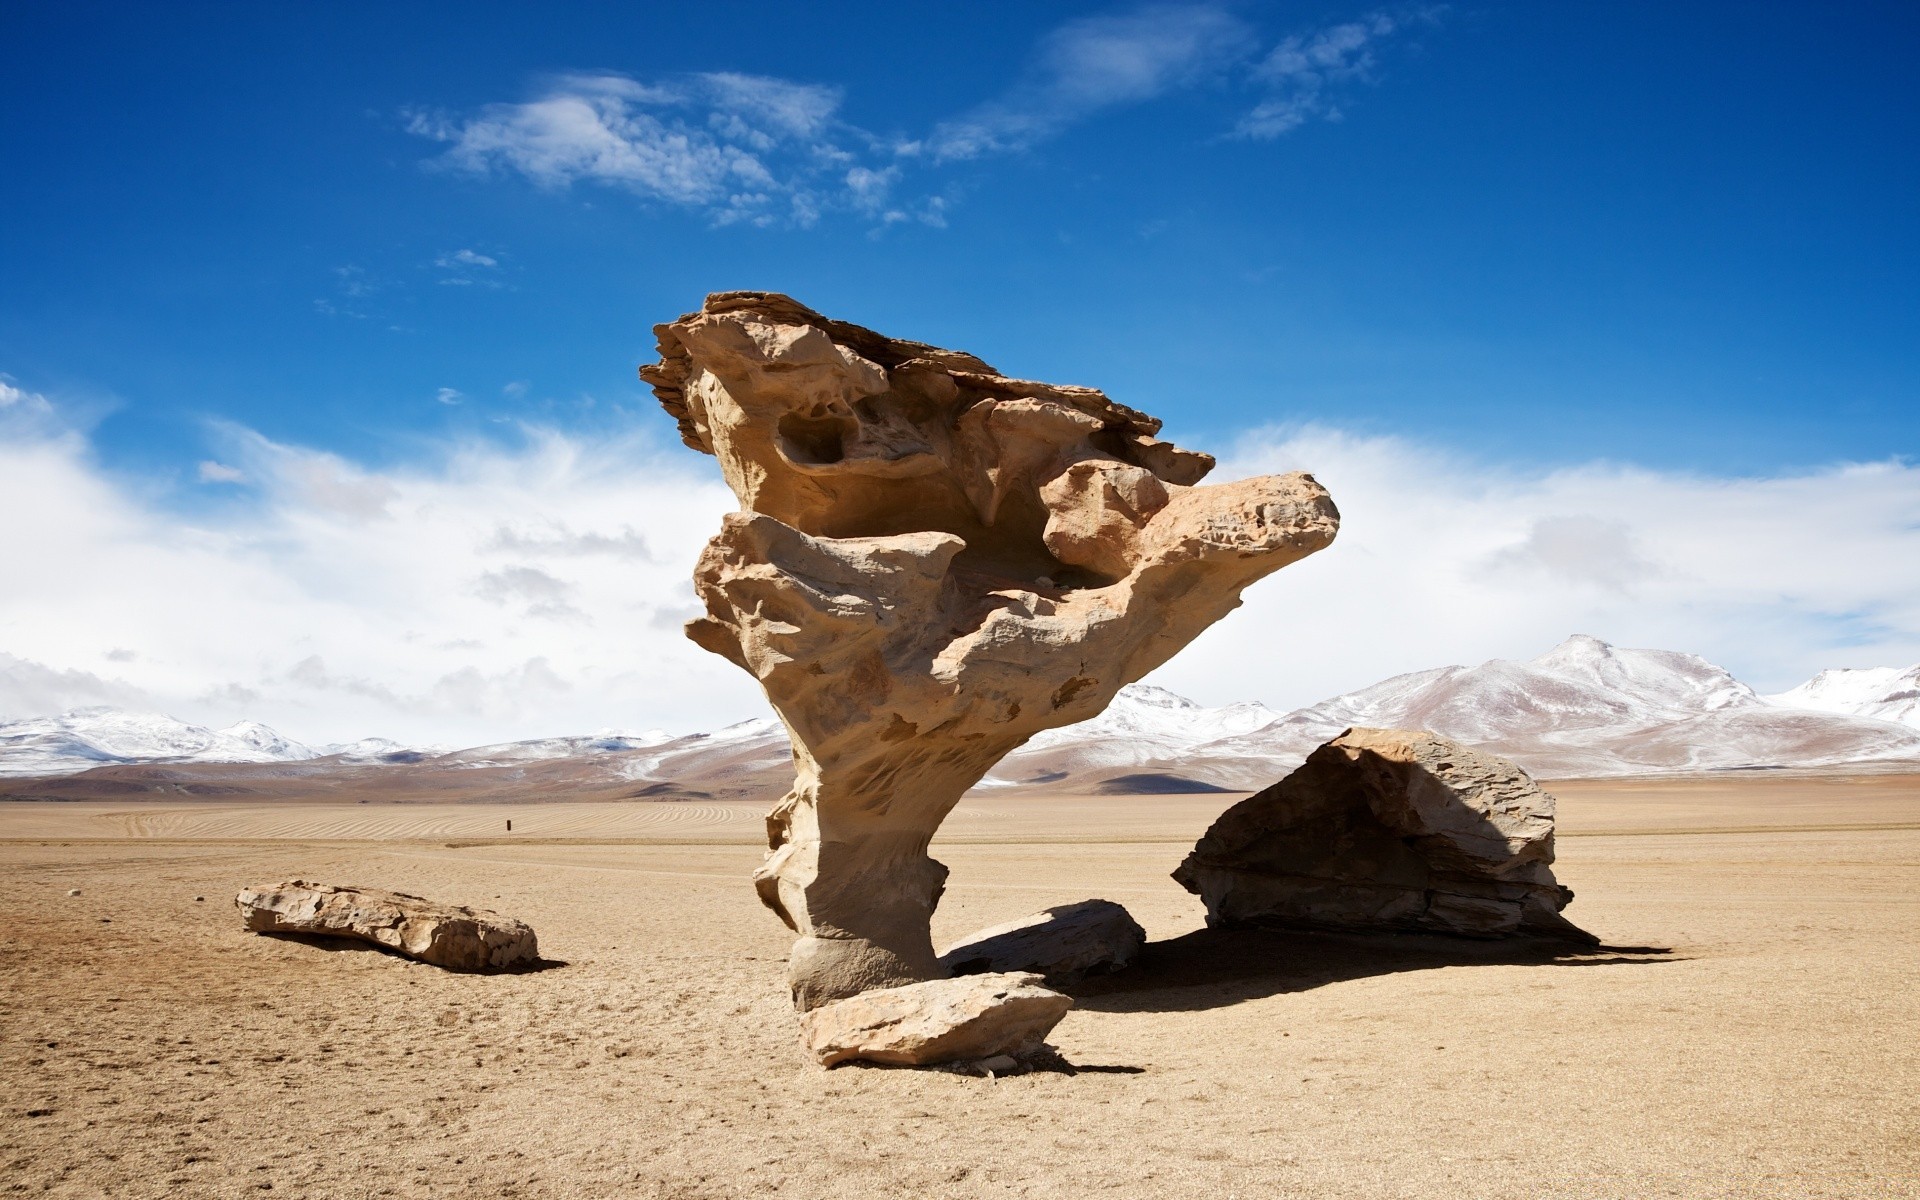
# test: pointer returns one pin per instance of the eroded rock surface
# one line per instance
(1388, 829)
(445, 935)
(933, 562)
(938, 1021)
(1065, 943)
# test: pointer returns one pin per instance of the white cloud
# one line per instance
(498, 592)
(341, 601)
(751, 149)
(1444, 559)
(448, 395)
(742, 148)
(217, 472)
(1301, 75)
(1098, 63)
(465, 258)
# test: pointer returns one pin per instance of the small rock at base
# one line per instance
(999, 1064)
(937, 1021)
(73, 891)
(1065, 943)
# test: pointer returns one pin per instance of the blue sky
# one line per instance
(1514, 242)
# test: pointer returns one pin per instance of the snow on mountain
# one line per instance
(606, 741)
(379, 749)
(1582, 708)
(755, 746)
(92, 737)
(1585, 708)
(1143, 725)
(1883, 693)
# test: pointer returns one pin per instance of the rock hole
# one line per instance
(813, 441)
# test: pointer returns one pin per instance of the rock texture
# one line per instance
(445, 935)
(933, 562)
(1065, 943)
(1388, 829)
(939, 1021)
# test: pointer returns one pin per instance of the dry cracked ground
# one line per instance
(1753, 1031)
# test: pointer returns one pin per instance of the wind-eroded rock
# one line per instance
(1065, 943)
(939, 1021)
(933, 563)
(444, 935)
(1388, 829)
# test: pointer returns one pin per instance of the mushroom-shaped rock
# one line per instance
(932, 563)
(1388, 829)
(1065, 943)
(938, 1021)
(444, 935)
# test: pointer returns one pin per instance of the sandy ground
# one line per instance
(148, 1047)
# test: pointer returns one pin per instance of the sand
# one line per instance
(149, 1047)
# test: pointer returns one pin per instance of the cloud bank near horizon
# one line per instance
(504, 590)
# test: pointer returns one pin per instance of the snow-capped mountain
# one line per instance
(1582, 708)
(91, 737)
(1883, 693)
(1143, 725)
(1588, 708)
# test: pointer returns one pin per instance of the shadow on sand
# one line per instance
(344, 945)
(1214, 968)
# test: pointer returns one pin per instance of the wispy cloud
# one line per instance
(218, 472)
(1302, 75)
(764, 151)
(469, 268)
(1098, 63)
(742, 148)
(542, 594)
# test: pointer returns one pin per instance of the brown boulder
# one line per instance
(966, 1018)
(444, 935)
(1065, 943)
(1388, 829)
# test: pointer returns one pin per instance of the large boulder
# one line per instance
(1065, 943)
(1388, 829)
(444, 935)
(932, 563)
(969, 1017)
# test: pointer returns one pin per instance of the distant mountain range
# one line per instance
(1584, 708)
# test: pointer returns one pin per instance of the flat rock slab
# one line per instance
(1065, 943)
(443, 935)
(941, 1020)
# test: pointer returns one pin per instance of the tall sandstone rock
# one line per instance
(932, 563)
(1388, 829)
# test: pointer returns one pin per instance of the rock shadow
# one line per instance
(1218, 967)
(344, 945)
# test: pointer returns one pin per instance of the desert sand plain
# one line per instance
(1751, 1029)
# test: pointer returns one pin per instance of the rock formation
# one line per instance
(933, 562)
(1388, 829)
(938, 1021)
(1065, 943)
(445, 935)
